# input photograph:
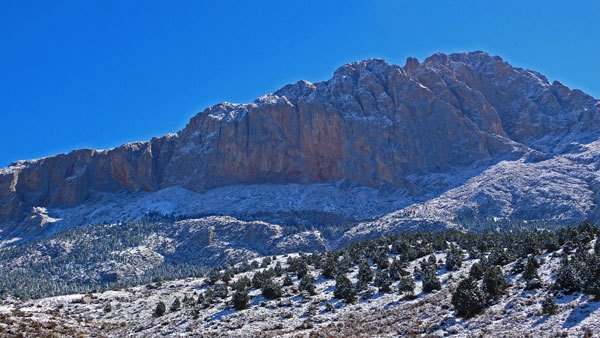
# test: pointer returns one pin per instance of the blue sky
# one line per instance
(96, 74)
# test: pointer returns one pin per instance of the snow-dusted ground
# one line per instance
(562, 188)
(375, 314)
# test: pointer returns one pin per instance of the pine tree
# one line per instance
(476, 271)
(240, 298)
(381, 259)
(301, 269)
(549, 306)
(160, 309)
(365, 275)
(213, 276)
(221, 291)
(287, 280)
(430, 280)
(270, 289)
(344, 289)
(468, 299)
(383, 281)
(257, 280)
(567, 278)
(329, 267)
(406, 285)
(397, 269)
(454, 258)
(176, 305)
(494, 281)
(307, 284)
(531, 267)
(591, 276)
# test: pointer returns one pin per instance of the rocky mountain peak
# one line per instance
(373, 124)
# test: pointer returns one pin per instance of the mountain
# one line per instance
(379, 147)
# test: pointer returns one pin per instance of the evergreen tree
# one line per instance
(160, 309)
(365, 275)
(531, 267)
(567, 278)
(383, 281)
(468, 299)
(301, 269)
(381, 260)
(397, 269)
(240, 298)
(265, 262)
(270, 289)
(227, 276)
(213, 276)
(430, 280)
(454, 258)
(257, 280)
(287, 280)
(591, 276)
(476, 271)
(278, 269)
(344, 288)
(307, 284)
(494, 282)
(406, 285)
(329, 267)
(549, 306)
(499, 256)
(176, 305)
(221, 291)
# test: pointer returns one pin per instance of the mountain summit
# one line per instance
(459, 134)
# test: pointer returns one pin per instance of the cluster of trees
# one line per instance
(69, 261)
(383, 265)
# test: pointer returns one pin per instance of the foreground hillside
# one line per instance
(446, 284)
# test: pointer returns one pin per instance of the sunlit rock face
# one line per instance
(372, 124)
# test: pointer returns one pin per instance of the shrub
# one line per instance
(549, 306)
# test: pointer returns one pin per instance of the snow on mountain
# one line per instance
(378, 148)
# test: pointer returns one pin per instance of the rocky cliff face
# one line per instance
(373, 124)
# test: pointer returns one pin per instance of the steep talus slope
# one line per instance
(454, 134)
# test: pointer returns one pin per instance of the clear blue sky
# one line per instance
(97, 74)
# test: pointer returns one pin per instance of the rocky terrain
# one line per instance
(394, 147)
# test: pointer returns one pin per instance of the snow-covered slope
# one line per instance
(111, 313)
(562, 189)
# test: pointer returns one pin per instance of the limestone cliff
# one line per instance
(372, 124)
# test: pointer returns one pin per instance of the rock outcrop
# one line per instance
(373, 124)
